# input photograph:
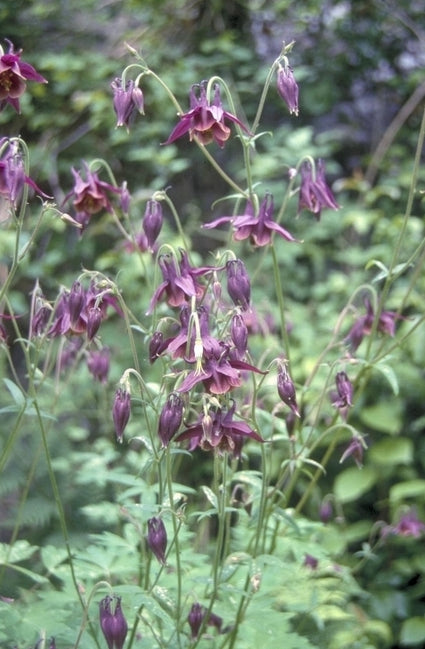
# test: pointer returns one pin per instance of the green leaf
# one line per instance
(408, 489)
(390, 375)
(212, 498)
(383, 416)
(392, 450)
(413, 631)
(353, 483)
(15, 391)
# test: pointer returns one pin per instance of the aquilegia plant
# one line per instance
(183, 431)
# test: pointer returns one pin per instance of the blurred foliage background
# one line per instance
(360, 67)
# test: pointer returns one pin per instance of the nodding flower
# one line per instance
(205, 120)
(14, 73)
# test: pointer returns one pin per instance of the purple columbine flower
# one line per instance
(258, 228)
(127, 101)
(92, 195)
(354, 449)
(409, 525)
(364, 325)
(205, 120)
(157, 538)
(314, 192)
(238, 283)
(112, 622)
(286, 389)
(121, 411)
(239, 334)
(310, 561)
(170, 418)
(343, 400)
(179, 280)
(196, 618)
(288, 88)
(219, 373)
(152, 222)
(218, 430)
(12, 175)
(14, 74)
(98, 362)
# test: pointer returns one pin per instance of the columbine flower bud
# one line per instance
(126, 101)
(355, 448)
(152, 221)
(288, 88)
(325, 511)
(98, 364)
(238, 283)
(239, 333)
(157, 538)
(94, 319)
(121, 411)
(344, 399)
(113, 623)
(170, 418)
(77, 298)
(155, 346)
(286, 389)
(195, 618)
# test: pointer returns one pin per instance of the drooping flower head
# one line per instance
(363, 326)
(14, 73)
(286, 389)
(112, 622)
(205, 120)
(314, 192)
(152, 222)
(196, 617)
(258, 228)
(238, 283)
(170, 418)
(91, 195)
(343, 400)
(121, 411)
(13, 177)
(288, 87)
(126, 101)
(179, 280)
(157, 538)
(218, 430)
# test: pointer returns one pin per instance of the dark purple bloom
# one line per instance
(113, 622)
(288, 87)
(310, 561)
(89, 318)
(205, 120)
(156, 344)
(343, 400)
(355, 449)
(76, 302)
(12, 175)
(152, 222)
(364, 325)
(218, 430)
(238, 283)
(194, 341)
(220, 373)
(258, 228)
(170, 418)
(121, 411)
(92, 195)
(127, 101)
(196, 618)
(314, 192)
(157, 538)
(239, 334)
(98, 362)
(286, 389)
(13, 76)
(180, 280)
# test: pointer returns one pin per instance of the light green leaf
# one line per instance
(15, 391)
(413, 631)
(390, 375)
(353, 483)
(210, 496)
(384, 416)
(392, 450)
(408, 489)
